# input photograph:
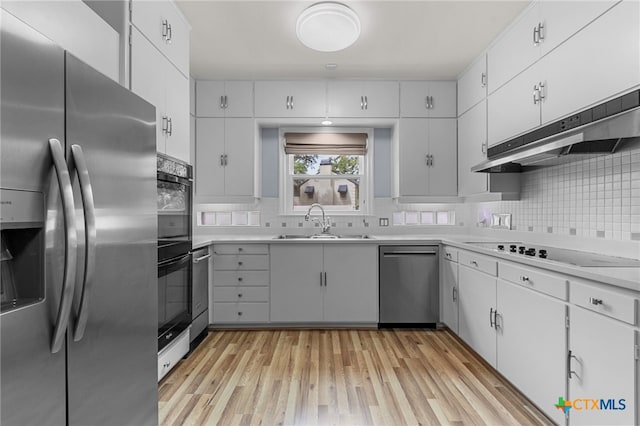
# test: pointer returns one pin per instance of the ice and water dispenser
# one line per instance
(22, 248)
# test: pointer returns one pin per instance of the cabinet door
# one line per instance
(239, 148)
(296, 282)
(511, 109)
(413, 146)
(472, 139)
(449, 294)
(209, 102)
(148, 68)
(600, 61)
(177, 105)
(435, 99)
(604, 367)
(239, 99)
(363, 99)
(443, 175)
(351, 287)
(149, 17)
(472, 85)
(562, 19)
(532, 345)
(476, 300)
(514, 50)
(209, 171)
(290, 99)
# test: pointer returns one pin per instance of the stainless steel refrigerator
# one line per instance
(78, 221)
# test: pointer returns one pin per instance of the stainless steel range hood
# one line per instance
(595, 131)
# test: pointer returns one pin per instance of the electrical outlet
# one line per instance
(383, 221)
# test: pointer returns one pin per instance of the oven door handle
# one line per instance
(166, 177)
(175, 262)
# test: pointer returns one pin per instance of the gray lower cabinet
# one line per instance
(240, 291)
(449, 288)
(327, 283)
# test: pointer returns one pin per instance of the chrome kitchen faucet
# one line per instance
(325, 222)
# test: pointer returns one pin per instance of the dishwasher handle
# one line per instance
(400, 253)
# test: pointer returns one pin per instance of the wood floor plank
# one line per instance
(339, 377)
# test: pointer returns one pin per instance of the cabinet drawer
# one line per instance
(241, 294)
(551, 284)
(241, 262)
(241, 249)
(479, 262)
(450, 253)
(240, 312)
(615, 304)
(169, 357)
(245, 278)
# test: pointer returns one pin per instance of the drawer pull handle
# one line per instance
(239, 248)
(239, 314)
(239, 278)
(239, 294)
(474, 263)
(524, 278)
(166, 365)
(239, 263)
(595, 301)
(448, 255)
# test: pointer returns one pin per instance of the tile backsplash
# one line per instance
(592, 198)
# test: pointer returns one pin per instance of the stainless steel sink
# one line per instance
(323, 237)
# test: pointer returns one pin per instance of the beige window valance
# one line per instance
(326, 143)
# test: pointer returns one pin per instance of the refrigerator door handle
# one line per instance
(86, 191)
(71, 244)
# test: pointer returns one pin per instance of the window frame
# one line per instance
(286, 175)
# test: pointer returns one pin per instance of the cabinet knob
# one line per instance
(524, 278)
(240, 279)
(474, 263)
(239, 263)
(239, 294)
(239, 248)
(448, 255)
(239, 314)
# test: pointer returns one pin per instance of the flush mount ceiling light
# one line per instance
(328, 27)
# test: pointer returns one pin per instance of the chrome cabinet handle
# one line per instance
(491, 323)
(454, 294)
(595, 301)
(288, 102)
(221, 102)
(571, 372)
(484, 148)
(538, 34)
(426, 102)
(321, 283)
(291, 101)
(165, 124)
(541, 92)
(165, 30)
(170, 34)
(474, 263)
(86, 193)
(169, 126)
(366, 102)
(483, 79)
(361, 102)
(325, 279)
(70, 244)
(524, 278)
(222, 159)
(536, 94)
(226, 160)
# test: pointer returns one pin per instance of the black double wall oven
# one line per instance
(175, 181)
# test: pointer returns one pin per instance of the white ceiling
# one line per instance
(400, 39)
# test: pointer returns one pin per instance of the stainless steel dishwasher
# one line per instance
(409, 286)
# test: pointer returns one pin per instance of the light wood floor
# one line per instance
(339, 377)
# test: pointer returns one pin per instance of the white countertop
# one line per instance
(624, 277)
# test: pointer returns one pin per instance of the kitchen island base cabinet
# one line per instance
(602, 365)
(324, 283)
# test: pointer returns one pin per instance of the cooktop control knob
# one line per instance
(500, 247)
(542, 253)
(521, 249)
(530, 252)
(512, 248)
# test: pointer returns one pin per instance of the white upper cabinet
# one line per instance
(161, 84)
(164, 25)
(224, 98)
(363, 99)
(290, 99)
(428, 161)
(472, 148)
(472, 85)
(600, 61)
(514, 50)
(429, 99)
(541, 28)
